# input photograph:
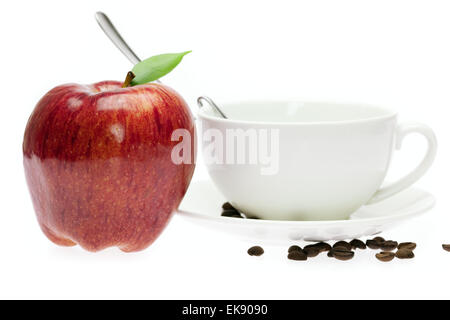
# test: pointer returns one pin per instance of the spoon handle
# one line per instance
(115, 37)
(212, 104)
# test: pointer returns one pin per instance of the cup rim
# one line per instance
(389, 114)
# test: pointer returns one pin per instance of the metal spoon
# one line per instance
(212, 104)
(108, 28)
(114, 35)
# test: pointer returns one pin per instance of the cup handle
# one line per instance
(401, 131)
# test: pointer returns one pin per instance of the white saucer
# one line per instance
(203, 205)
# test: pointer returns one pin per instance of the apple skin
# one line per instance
(98, 163)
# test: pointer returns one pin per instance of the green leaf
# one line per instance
(156, 67)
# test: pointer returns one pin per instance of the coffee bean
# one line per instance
(385, 256)
(297, 255)
(407, 245)
(389, 245)
(231, 214)
(322, 246)
(404, 254)
(228, 206)
(294, 248)
(358, 244)
(372, 244)
(330, 254)
(311, 251)
(342, 245)
(255, 251)
(319, 247)
(235, 216)
(342, 254)
(446, 247)
(378, 239)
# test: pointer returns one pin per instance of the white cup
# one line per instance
(329, 160)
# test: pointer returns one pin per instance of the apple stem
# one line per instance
(128, 79)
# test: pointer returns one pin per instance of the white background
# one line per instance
(391, 53)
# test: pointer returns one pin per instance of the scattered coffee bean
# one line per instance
(389, 245)
(342, 254)
(404, 254)
(342, 250)
(446, 247)
(358, 244)
(322, 246)
(385, 256)
(372, 244)
(407, 245)
(255, 251)
(231, 214)
(378, 239)
(228, 206)
(342, 245)
(297, 255)
(311, 251)
(294, 248)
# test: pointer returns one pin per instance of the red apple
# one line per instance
(98, 163)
